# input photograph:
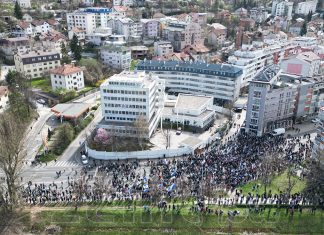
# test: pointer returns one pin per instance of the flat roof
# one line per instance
(187, 101)
(70, 110)
(192, 142)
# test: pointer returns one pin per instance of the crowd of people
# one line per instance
(217, 168)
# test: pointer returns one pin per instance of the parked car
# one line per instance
(179, 131)
(84, 159)
(315, 120)
(279, 131)
(41, 101)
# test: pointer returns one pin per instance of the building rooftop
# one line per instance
(308, 56)
(115, 48)
(193, 67)
(67, 69)
(70, 110)
(267, 74)
(38, 53)
(186, 101)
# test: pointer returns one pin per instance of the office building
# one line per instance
(221, 81)
(129, 98)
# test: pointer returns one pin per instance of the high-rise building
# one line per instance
(129, 98)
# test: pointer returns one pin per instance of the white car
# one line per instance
(315, 120)
(84, 159)
(41, 101)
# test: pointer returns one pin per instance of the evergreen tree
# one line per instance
(309, 16)
(74, 43)
(77, 53)
(65, 56)
(303, 30)
(17, 11)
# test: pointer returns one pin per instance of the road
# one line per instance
(70, 159)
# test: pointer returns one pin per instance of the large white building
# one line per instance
(102, 15)
(100, 36)
(129, 98)
(221, 81)
(126, 26)
(82, 20)
(118, 57)
(68, 77)
(126, 3)
(151, 28)
(190, 111)
(304, 8)
(282, 8)
(36, 64)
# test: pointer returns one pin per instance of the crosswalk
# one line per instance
(58, 164)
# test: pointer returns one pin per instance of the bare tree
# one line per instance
(141, 126)
(11, 156)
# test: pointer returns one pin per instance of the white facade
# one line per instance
(126, 3)
(222, 81)
(162, 48)
(37, 63)
(127, 27)
(99, 37)
(190, 110)
(304, 8)
(282, 8)
(82, 20)
(305, 42)
(128, 97)
(117, 57)
(24, 3)
(4, 99)
(68, 77)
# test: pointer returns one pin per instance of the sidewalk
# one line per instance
(305, 128)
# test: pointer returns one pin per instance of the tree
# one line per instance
(11, 156)
(65, 56)
(77, 53)
(309, 16)
(74, 43)
(64, 134)
(314, 189)
(93, 71)
(303, 30)
(11, 78)
(17, 11)
(102, 137)
(141, 129)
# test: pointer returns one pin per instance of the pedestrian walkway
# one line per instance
(59, 164)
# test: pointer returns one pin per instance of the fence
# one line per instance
(147, 154)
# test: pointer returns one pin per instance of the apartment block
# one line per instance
(117, 57)
(68, 77)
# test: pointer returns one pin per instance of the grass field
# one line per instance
(278, 183)
(110, 220)
(42, 83)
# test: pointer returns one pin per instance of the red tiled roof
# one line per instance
(67, 69)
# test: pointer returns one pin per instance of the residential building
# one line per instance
(79, 32)
(162, 48)
(118, 57)
(221, 81)
(271, 103)
(87, 2)
(102, 15)
(24, 3)
(10, 46)
(181, 34)
(125, 26)
(282, 8)
(259, 15)
(216, 34)
(82, 20)
(193, 111)
(252, 59)
(100, 36)
(53, 40)
(35, 64)
(126, 3)
(184, 17)
(117, 40)
(305, 64)
(22, 29)
(119, 12)
(4, 99)
(295, 28)
(27, 18)
(318, 147)
(199, 18)
(40, 26)
(68, 77)
(151, 28)
(304, 8)
(198, 52)
(139, 52)
(129, 98)
(310, 42)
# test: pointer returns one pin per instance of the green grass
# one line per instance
(48, 157)
(42, 83)
(279, 183)
(110, 220)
